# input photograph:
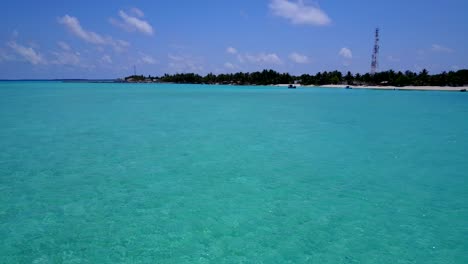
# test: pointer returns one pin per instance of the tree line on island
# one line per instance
(271, 77)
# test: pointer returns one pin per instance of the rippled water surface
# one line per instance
(145, 173)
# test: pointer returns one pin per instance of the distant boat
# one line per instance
(348, 87)
(291, 86)
(463, 90)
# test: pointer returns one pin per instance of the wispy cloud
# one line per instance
(74, 26)
(137, 12)
(346, 53)
(133, 22)
(231, 66)
(231, 50)
(66, 56)
(120, 45)
(262, 58)
(440, 48)
(147, 59)
(299, 58)
(299, 13)
(27, 53)
(106, 59)
(64, 45)
(185, 63)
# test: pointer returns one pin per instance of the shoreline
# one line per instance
(403, 88)
(330, 86)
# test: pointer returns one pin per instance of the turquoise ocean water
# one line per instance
(145, 173)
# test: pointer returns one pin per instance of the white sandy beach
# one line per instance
(406, 88)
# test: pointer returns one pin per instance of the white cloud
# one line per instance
(263, 58)
(346, 53)
(440, 48)
(180, 63)
(73, 24)
(67, 58)
(106, 59)
(120, 45)
(299, 13)
(63, 45)
(175, 57)
(229, 65)
(147, 59)
(133, 23)
(299, 58)
(28, 53)
(137, 12)
(231, 50)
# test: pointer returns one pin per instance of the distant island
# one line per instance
(271, 77)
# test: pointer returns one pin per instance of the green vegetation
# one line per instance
(140, 78)
(266, 77)
(269, 77)
(389, 78)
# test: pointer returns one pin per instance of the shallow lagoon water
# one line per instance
(153, 173)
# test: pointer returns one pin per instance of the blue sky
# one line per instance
(105, 39)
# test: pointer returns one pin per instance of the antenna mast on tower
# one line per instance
(375, 52)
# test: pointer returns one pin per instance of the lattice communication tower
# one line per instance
(375, 52)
